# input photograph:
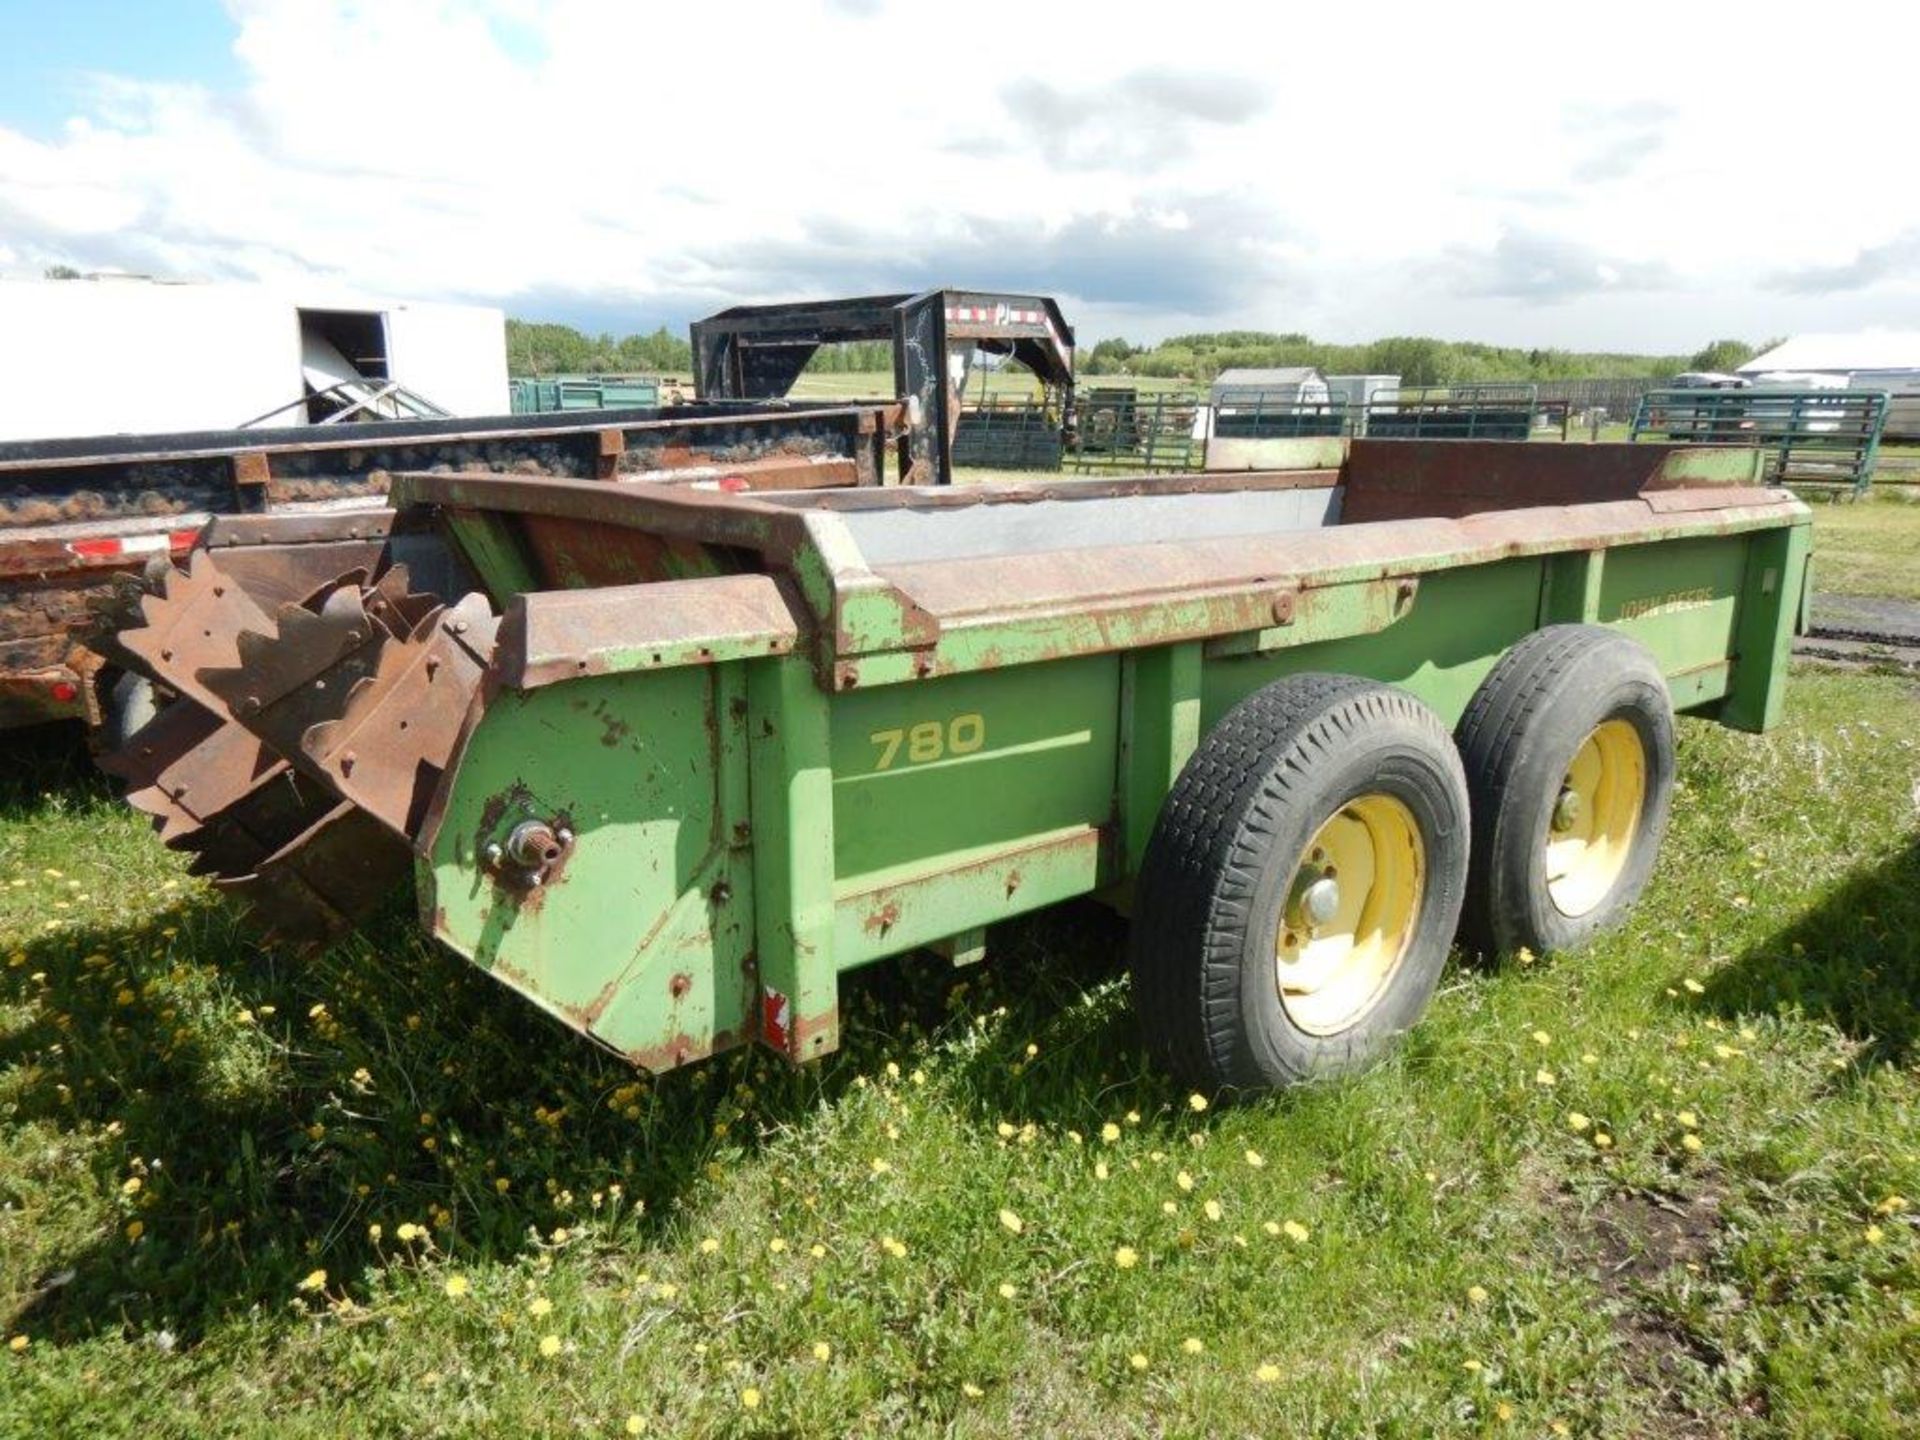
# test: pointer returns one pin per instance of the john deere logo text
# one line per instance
(1661, 604)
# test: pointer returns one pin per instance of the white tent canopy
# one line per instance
(1864, 352)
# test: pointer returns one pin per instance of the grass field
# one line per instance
(1656, 1188)
(1868, 548)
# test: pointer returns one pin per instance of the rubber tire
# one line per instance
(1517, 738)
(1212, 884)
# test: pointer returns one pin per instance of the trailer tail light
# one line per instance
(65, 691)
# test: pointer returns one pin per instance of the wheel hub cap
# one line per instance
(1596, 817)
(1351, 914)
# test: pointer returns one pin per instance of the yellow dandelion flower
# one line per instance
(1192, 1345)
(1008, 1291)
(1576, 1121)
(971, 1390)
(559, 1234)
(1006, 1130)
(750, 1397)
(1546, 1079)
(1541, 1037)
(1183, 1180)
(1691, 1143)
(1296, 1232)
(1137, 1360)
(1477, 1294)
(1012, 1222)
(1874, 1235)
(776, 1245)
(880, 1167)
(818, 1252)
(1255, 1159)
(135, 1229)
(1892, 1205)
(1272, 1227)
(316, 1280)
(407, 1232)
(1524, 955)
(502, 1185)
(549, 1345)
(1472, 1367)
(1196, 1102)
(666, 1290)
(1133, 1117)
(893, 1247)
(456, 1286)
(1212, 1207)
(1688, 1119)
(1602, 1140)
(1267, 1374)
(1167, 1207)
(636, 1424)
(130, 1186)
(1126, 1257)
(1693, 986)
(373, 1233)
(893, 1070)
(709, 1245)
(1109, 1132)
(1503, 1410)
(18, 1344)
(822, 1351)
(541, 1306)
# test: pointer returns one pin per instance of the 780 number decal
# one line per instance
(930, 740)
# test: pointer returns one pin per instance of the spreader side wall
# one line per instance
(1715, 611)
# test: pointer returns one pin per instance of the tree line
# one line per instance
(548, 349)
(1416, 359)
(545, 349)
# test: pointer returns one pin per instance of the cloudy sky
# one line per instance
(1644, 177)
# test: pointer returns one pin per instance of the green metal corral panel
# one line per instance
(951, 765)
(641, 936)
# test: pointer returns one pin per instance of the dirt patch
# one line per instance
(1628, 1244)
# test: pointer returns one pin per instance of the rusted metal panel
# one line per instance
(573, 554)
(326, 880)
(389, 744)
(559, 635)
(1400, 480)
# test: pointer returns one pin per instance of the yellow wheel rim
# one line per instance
(1349, 914)
(1595, 817)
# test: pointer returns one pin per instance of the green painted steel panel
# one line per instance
(968, 891)
(986, 758)
(1441, 649)
(641, 935)
(1678, 597)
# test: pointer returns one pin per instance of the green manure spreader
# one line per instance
(681, 757)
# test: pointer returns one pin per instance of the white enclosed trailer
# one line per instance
(129, 356)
